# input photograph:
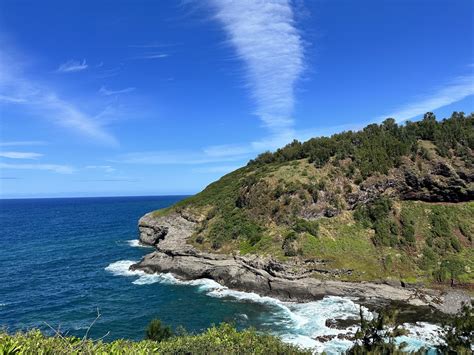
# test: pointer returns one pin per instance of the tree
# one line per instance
(451, 268)
(378, 335)
(458, 333)
(157, 331)
(427, 126)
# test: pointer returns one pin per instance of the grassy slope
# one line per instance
(341, 241)
(296, 209)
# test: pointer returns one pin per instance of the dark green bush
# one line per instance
(305, 226)
(234, 224)
(376, 215)
(429, 259)
(289, 244)
(440, 225)
(156, 331)
(450, 270)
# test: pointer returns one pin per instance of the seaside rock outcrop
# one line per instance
(263, 274)
(153, 230)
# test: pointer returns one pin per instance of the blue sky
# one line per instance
(104, 98)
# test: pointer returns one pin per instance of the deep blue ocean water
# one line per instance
(62, 259)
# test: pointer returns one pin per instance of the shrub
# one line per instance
(383, 233)
(429, 259)
(305, 226)
(458, 332)
(440, 225)
(232, 225)
(156, 331)
(376, 210)
(450, 269)
(408, 227)
(289, 244)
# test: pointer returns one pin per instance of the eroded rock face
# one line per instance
(430, 180)
(438, 182)
(264, 275)
(443, 184)
(155, 229)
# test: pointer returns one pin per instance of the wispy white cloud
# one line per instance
(107, 168)
(21, 143)
(111, 180)
(104, 91)
(177, 157)
(12, 99)
(265, 38)
(20, 155)
(60, 169)
(72, 66)
(454, 91)
(108, 72)
(45, 103)
(152, 56)
(227, 150)
(151, 45)
(67, 115)
(226, 153)
(216, 169)
(211, 154)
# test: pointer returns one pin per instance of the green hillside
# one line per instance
(387, 202)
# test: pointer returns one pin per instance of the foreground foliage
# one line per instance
(157, 331)
(458, 333)
(223, 339)
(377, 336)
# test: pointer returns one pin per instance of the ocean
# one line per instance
(64, 260)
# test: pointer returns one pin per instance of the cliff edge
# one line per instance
(384, 213)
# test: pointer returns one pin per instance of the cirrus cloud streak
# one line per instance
(266, 40)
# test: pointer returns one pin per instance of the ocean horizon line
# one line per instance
(90, 197)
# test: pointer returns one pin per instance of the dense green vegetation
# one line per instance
(387, 202)
(223, 339)
(378, 148)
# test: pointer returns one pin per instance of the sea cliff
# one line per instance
(266, 276)
(384, 213)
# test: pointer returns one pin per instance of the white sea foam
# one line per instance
(136, 244)
(121, 268)
(297, 323)
(420, 334)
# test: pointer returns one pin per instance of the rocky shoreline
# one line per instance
(267, 277)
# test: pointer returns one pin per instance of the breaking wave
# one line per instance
(302, 324)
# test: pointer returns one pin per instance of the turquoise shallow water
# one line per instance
(62, 259)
